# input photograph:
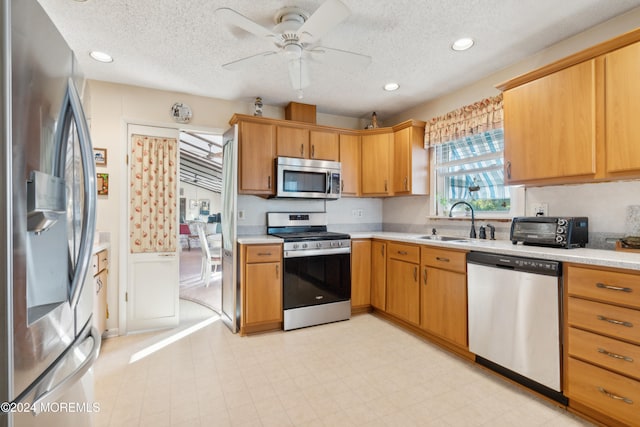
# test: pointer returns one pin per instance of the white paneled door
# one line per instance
(152, 297)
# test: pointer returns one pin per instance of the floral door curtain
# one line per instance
(152, 206)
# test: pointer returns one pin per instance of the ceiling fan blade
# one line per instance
(328, 15)
(248, 61)
(299, 73)
(234, 18)
(345, 57)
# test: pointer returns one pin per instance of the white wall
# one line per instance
(191, 192)
(112, 106)
(605, 203)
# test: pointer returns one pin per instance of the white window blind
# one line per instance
(471, 169)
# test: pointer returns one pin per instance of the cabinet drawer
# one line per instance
(612, 394)
(610, 286)
(442, 258)
(264, 253)
(606, 352)
(406, 253)
(608, 319)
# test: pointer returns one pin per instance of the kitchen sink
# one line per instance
(444, 238)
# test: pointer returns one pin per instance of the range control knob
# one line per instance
(562, 221)
(318, 245)
(296, 246)
(559, 239)
(560, 230)
(304, 246)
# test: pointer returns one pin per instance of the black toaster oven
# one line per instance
(552, 231)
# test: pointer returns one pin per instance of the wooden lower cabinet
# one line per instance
(443, 305)
(360, 275)
(403, 288)
(261, 288)
(603, 343)
(379, 275)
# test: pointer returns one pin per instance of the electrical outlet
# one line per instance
(541, 209)
(240, 214)
(360, 213)
(354, 213)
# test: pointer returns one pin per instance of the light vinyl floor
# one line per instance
(361, 372)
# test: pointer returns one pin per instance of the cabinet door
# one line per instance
(257, 151)
(350, 162)
(324, 145)
(402, 161)
(549, 126)
(377, 157)
(622, 92)
(360, 273)
(443, 305)
(403, 290)
(379, 275)
(292, 142)
(263, 299)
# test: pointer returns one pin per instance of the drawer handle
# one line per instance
(616, 322)
(415, 274)
(615, 396)
(439, 258)
(613, 288)
(264, 253)
(403, 253)
(614, 355)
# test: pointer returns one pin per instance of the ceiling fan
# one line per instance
(295, 38)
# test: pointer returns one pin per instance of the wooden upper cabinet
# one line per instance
(622, 92)
(410, 160)
(350, 163)
(292, 142)
(377, 161)
(550, 126)
(257, 149)
(324, 145)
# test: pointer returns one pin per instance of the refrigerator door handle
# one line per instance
(53, 392)
(73, 103)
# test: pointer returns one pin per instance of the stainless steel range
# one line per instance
(317, 269)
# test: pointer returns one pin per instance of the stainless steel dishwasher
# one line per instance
(514, 318)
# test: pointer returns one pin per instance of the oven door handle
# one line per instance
(316, 252)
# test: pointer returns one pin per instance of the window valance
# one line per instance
(471, 119)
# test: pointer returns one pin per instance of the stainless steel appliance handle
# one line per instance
(316, 252)
(52, 393)
(72, 101)
(328, 190)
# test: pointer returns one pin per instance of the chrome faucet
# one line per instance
(472, 234)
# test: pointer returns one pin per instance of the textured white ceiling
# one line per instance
(180, 46)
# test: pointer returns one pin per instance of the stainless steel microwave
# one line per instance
(307, 179)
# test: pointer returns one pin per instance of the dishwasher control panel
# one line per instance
(508, 262)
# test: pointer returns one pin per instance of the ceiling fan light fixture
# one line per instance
(463, 43)
(391, 86)
(101, 56)
(293, 50)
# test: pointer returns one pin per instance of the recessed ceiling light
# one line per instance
(389, 87)
(101, 56)
(462, 44)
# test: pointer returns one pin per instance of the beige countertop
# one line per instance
(595, 257)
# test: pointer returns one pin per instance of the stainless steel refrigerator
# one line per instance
(49, 189)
